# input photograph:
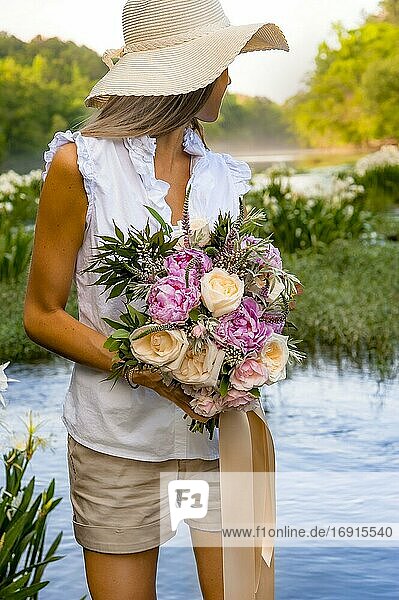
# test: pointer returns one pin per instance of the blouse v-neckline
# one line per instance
(142, 154)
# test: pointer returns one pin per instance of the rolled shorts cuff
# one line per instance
(211, 522)
(122, 540)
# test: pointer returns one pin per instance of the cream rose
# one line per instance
(164, 348)
(200, 368)
(221, 291)
(274, 355)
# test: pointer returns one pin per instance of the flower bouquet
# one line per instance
(213, 305)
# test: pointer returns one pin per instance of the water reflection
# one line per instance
(322, 418)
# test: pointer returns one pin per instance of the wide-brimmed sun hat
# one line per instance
(175, 47)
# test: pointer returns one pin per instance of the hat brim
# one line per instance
(185, 67)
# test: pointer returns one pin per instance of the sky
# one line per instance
(274, 73)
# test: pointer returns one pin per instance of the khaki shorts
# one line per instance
(117, 503)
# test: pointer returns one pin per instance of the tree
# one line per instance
(380, 82)
(43, 84)
(338, 105)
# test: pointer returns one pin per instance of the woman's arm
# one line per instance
(59, 233)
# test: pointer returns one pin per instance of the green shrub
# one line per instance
(298, 222)
(14, 343)
(378, 173)
(19, 197)
(15, 250)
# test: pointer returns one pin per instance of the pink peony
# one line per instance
(176, 264)
(249, 374)
(242, 327)
(170, 301)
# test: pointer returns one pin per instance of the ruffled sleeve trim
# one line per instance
(240, 171)
(85, 163)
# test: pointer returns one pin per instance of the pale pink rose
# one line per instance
(238, 399)
(249, 374)
(205, 404)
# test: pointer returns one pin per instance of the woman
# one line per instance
(143, 147)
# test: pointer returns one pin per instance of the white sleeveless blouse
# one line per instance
(119, 179)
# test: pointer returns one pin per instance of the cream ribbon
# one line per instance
(246, 446)
(112, 53)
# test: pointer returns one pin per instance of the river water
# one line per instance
(337, 453)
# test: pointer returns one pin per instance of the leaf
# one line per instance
(160, 220)
(14, 586)
(194, 314)
(137, 315)
(120, 334)
(224, 385)
(255, 392)
(117, 290)
(118, 232)
(29, 591)
(111, 323)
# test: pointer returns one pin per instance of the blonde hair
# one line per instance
(133, 116)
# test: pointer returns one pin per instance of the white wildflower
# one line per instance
(4, 381)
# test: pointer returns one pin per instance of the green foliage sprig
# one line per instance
(130, 266)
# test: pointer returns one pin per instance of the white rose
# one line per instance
(274, 355)
(221, 291)
(164, 348)
(202, 367)
(200, 232)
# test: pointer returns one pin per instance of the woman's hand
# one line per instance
(175, 394)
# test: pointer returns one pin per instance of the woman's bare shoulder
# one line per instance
(63, 195)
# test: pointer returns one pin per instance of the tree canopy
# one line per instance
(351, 97)
(44, 82)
